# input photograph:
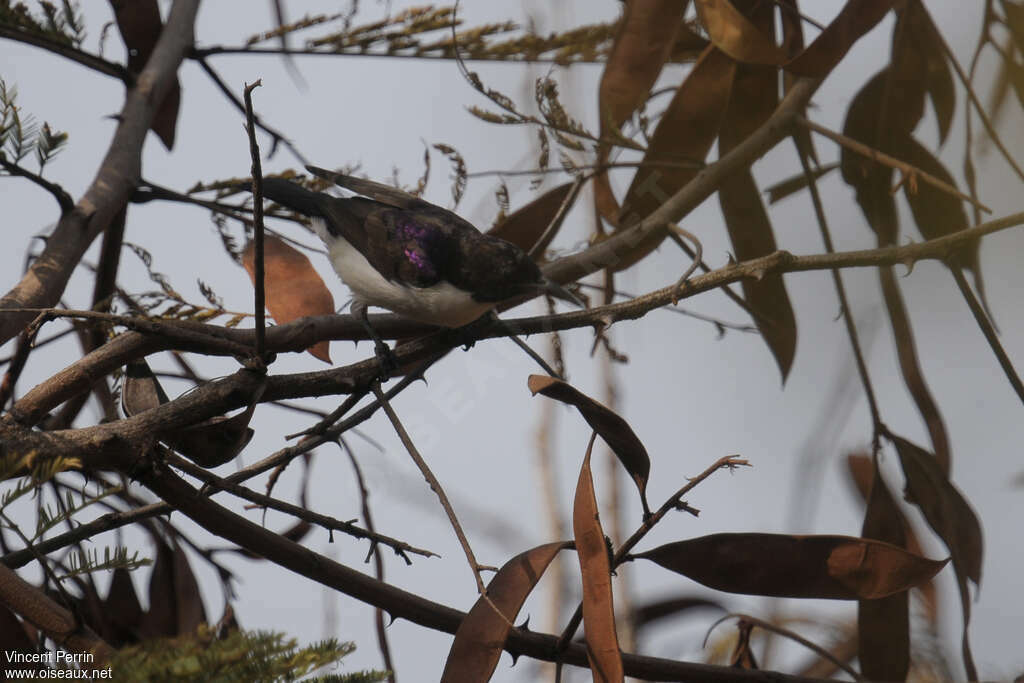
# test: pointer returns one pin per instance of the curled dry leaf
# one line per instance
(527, 225)
(947, 511)
(685, 133)
(595, 567)
(951, 517)
(615, 431)
(777, 565)
(293, 287)
(139, 24)
(737, 36)
(480, 639)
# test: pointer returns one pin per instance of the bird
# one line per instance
(399, 252)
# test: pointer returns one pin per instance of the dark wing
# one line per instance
(385, 194)
(414, 248)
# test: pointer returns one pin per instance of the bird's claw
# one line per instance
(386, 358)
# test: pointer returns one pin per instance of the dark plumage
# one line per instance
(402, 253)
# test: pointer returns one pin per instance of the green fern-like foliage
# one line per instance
(59, 22)
(241, 656)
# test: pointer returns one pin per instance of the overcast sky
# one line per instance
(690, 396)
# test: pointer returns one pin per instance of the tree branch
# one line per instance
(118, 175)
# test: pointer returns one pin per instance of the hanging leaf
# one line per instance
(293, 287)
(122, 609)
(948, 513)
(735, 35)
(528, 224)
(883, 625)
(175, 604)
(753, 99)
(480, 639)
(951, 517)
(861, 468)
(615, 431)
(776, 565)
(595, 567)
(685, 133)
(139, 24)
(644, 41)
(910, 367)
(209, 443)
(939, 213)
(856, 18)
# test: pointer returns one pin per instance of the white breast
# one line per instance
(441, 304)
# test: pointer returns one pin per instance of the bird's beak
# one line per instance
(559, 292)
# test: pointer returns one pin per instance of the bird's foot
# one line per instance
(386, 358)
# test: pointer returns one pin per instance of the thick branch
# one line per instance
(299, 335)
(402, 604)
(117, 177)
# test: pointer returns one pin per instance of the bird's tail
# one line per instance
(291, 195)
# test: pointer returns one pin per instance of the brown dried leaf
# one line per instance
(615, 431)
(480, 639)
(856, 18)
(210, 443)
(883, 625)
(14, 637)
(646, 36)
(906, 353)
(215, 441)
(948, 513)
(122, 608)
(777, 565)
(951, 517)
(141, 389)
(595, 566)
(293, 287)
(753, 99)
(527, 224)
(937, 213)
(175, 604)
(685, 133)
(139, 24)
(796, 183)
(737, 36)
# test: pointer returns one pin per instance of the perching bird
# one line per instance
(399, 252)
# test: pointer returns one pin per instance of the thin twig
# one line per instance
(988, 330)
(378, 560)
(881, 157)
(64, 200)
(556, 221)
(257, 219)
(718, 323)
(275, 135)
(435, 485)
(697, 258)
(214, 483)
(979, 107)
(795, 637)
(844, 302)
